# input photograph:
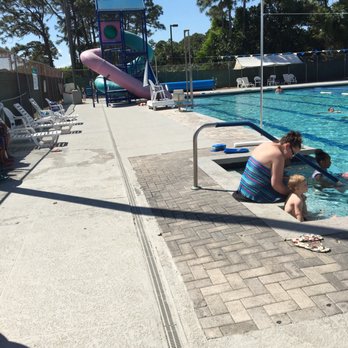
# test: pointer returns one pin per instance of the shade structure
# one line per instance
(271, 60)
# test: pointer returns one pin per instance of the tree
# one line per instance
(337, 30)
(83, 22)
(34, 50)
(220, 12)
(22, 17)
(153, 12)
(162, 49)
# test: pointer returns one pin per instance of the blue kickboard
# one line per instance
(218, 147)
(236, 150)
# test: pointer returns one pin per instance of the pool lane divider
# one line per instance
(284, 129)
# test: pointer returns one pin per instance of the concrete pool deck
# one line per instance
(104, 244)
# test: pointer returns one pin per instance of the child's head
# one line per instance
(297, 183)
(323, 158)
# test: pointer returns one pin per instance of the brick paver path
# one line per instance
(240, 274)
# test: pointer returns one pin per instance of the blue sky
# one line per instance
(186, 14)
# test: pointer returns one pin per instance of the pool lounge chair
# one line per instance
(45, 123)
(22, 132)
(243, 82)
(45, 113)
(55, 106)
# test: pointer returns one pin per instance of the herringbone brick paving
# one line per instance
(239, 273)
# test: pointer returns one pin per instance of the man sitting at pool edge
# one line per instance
(263, 177)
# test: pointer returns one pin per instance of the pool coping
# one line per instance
(235, 90)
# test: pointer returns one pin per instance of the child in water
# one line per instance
(295, 205)
(324, 161)
(278, 90)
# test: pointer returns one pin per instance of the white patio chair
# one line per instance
(22, 132)
(240, 82)
(271, 81)
(257, 81)
(45, 113)
(45, 123)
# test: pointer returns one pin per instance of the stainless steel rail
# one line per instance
(258, 129)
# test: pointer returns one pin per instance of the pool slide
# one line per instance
(93, 59)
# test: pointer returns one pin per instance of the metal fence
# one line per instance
(315, 68)
(21, 79)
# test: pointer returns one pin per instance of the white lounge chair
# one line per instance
(45, 123)
(243, 82)
(22, 132)
(56, 107)
(247, 83)
(49, 113)
(271, 81)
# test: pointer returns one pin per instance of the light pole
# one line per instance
(261, 65)
(171, 40)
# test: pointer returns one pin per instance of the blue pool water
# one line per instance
(304, 110)
(322, 203)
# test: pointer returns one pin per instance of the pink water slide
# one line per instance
(92, 58)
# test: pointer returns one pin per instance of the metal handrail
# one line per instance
(258, 129)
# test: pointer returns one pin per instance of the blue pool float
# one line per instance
(236, 150)
(218, 147)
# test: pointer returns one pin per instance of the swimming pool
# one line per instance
(304, 110)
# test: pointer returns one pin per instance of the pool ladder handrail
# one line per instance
(258, 129)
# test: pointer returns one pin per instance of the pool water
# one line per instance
(321, 203)
(304, 110)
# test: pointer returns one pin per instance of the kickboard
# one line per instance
(236, 150)
(218, 147)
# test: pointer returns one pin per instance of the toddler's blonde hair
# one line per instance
(294, 181)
